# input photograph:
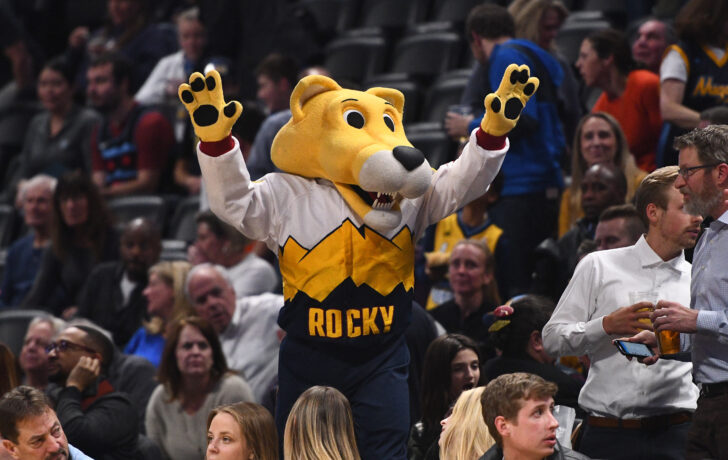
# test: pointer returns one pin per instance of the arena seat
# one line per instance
(411, 90)
(454, 11)
(182, 226)
(614, 10)
(173, 250)
(434, 143)
(355, 58)
(125, 209)
(427, 55)
(328, 14)
(569, 39)
(8, 224)
(13, 324)
(396, 14)
(444, 93)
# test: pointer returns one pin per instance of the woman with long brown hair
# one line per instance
(452, 365)
(194, 378)
(82, 235)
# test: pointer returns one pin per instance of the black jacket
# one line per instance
(106, 429)
(560, 453)
(102, 302)
(569, 387)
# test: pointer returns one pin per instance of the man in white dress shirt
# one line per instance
(248, 329)
(635, 412)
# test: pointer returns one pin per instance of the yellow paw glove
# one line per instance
(503, 108)
(211, 117)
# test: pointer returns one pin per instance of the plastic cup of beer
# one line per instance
(668, 342)
(643, 296)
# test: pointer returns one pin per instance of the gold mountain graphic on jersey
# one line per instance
(348, 252)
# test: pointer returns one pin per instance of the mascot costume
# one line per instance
(344, 218)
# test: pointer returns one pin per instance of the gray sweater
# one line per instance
(182, 436)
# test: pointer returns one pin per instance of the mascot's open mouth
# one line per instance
(377, 200)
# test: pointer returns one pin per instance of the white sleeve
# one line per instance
(573, 330)
(459, 182)
(152, 91)
(673, 67)
(248, 206)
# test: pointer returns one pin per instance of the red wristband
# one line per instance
(217, 148)
(489, 141)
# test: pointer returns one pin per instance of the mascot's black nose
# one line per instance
(410, 157)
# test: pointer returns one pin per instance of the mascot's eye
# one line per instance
(389, 122)
(354, 118)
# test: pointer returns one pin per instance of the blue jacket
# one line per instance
(537, 142)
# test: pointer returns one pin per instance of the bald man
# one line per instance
(112, 296)
(603, 185)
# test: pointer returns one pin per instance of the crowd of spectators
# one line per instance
(583, 224)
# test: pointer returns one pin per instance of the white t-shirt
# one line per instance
(674, 67)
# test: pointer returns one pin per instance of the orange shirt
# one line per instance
(638, 112)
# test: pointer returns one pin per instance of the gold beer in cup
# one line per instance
(668, 342)
(643, 296)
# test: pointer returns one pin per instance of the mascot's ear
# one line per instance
(390, 95)
(307, 88)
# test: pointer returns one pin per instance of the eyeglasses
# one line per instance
(687, 172)
(214, 292)
(63, 345)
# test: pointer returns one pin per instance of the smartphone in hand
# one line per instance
(633, 349)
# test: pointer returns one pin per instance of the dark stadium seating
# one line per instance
(434, 143)
(427, 55)
(125, 209)
(355, 58)
(444, 93)
(182, 226)
(13, 324)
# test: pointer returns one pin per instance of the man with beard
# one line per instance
(30, 428)
(634, 412)
(129, 149)
(704, 326)
(94, 416)
(112, 296)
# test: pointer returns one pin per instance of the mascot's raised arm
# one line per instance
(343, 218)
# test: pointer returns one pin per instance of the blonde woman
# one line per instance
(464, 434)
(320, 427)
(242, 431)
(166, 302)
